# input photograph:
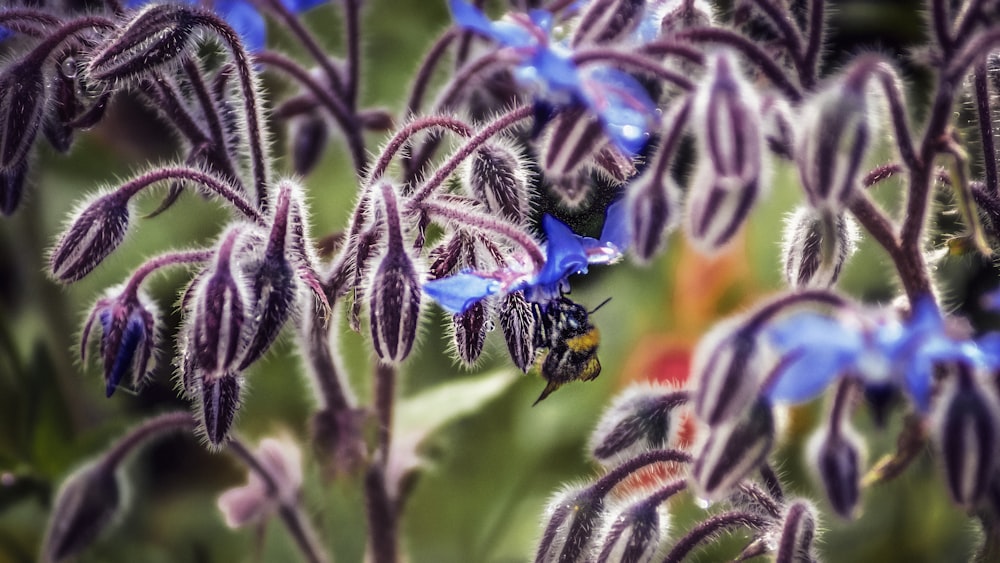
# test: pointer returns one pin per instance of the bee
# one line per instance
(563, 327)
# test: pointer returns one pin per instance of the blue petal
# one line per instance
(299, 6)
(623, 106)
(555, 70)
(541, 19)
(615, 229)
(246, 20)
(134, 334)
(469, 17)
(564, 253)
(5, 33)
(808, 330)
(989, 346)
(807, 373)
(459, 292)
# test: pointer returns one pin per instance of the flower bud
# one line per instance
(686, 15)
(965, 425)
(498, 179)
(395, 291)
(518, 324)
(309, 138)
(445, 257)
(836, 453)
(728, 371)
(834, 140)
(23, 97)
(641, 418)
(95, 232)
(795, 544)
(220, 399)
(635, 533)
(733, 450)
(128, 322)
(65, 105)
(816, 246)
(607, 21)
(470, 333)
(653, 208)
(219, 312)
(573, 191)
(575, 136)
(12, 187)
(151, 42)
(572, 518)
(85, 505)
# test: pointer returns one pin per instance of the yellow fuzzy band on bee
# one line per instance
(586, 341)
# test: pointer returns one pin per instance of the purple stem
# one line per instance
(426, 70)
(146, 430)
(712, 526)
(213, 184)
(162, 261)
(435, 121)
(308, 41)
(487, 223)
(986, 128)
(352, 23)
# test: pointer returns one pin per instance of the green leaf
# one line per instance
(432, 409)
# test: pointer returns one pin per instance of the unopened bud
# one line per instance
(816, 246)
(95, 232)
(85, 505)
(219, 312)
(152, 41)
(12, 187)
(728, 371)
(128, 336)
(733, 450)
(23, 97)
(309, 137)
(636, 533)
(470, 333)
(607, 21)
(572, 519)
(836, 453)
(966, 428)
(686, 15)
(642, 418)
(518, 324)
(573, 191)
(220, 399)
(654, 209)
(798, 531)
(497, 178)
(574, 138)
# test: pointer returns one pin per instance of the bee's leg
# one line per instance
(549, 388)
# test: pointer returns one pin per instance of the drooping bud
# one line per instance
(23, 97)
(733, 450)
(571, 520)
(965, 425)
(65, 105)
(575, 136)
(654, 209)
(12, 187)
(836, 453)
(395, 294)
(795, 544)
(573, 191)
(128, 335)
(729, 175)
(635, 533)
(728, 371)
(220, 399)
(779, 130)
(816, 246)
(151, 42)
(834, 140)
(607, 21)
(498, 179)
(85, 505)
(94, 232)
(686, 15)
(218, 312)
(518, 324)
(641, 418)
(470, 333)
(309, 137)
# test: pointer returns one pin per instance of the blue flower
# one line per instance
(127, 321)
(617, 99)
(566, 253)
(816, 349)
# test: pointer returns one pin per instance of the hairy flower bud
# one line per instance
(85, 505)
(12, 187)
(395, 291)
(94, 232)
(23, 96)
(653, 208)
(816, 246)
(128, 335)
(574, 137)
(498, 179)
(965, 425)
(728, 371)
(641, 418)
(470, 333)
(518, 324)
(220, 399)
(835, 452)
(150, 42)
(733, 450)
(218, 312)
(795, 544)
(573, 191)
(730, 171)
(309, 137)
(571, 520)
(607, 21)
(635, 533)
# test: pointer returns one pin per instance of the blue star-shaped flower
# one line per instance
(617, 99)
(566, 253)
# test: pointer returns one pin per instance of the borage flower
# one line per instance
(127, 320)
(621, 103)
(566, 253)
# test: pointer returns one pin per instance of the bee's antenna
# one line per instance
(603, 303)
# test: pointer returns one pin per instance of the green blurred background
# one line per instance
(482, 494)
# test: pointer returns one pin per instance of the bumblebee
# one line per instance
(564, 330)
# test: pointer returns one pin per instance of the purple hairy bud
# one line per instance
(607, 21)
(65, 105)
(309, 138)
(728, 370)
(686, 15)
(395, 291)
(574, 137)
(965, 425)
(470, 333)
(798, 530)
(834, 141)
(732, 451)
(573, 191)
(497, 178)
(635, 534)
(730, 172)
(572, 519)
(445, 257)
(84, 507)
(219, 313)
(152, 41)
(836, 454)
(23, 97)
(95, 231)
(128, 336)
(641, 419)
(518, 324)
(653, 208)
(816, 246)
(220, 399)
